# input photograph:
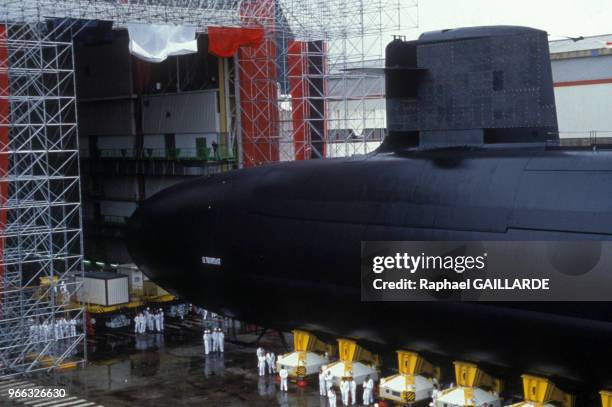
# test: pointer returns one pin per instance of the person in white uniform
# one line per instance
(261, 364)
(284, 374)
(322, 390)
(331, 396)
(329, 382)
(366, 392)
(206, 339)
(73, 325)
(371, 386)
(161, 319)
(221, 341)
(215, 340)
(344, 391)
(150, 321)
(157, 319)
(353, 388)
(269, 362)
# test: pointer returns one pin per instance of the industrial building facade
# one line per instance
(583, 86)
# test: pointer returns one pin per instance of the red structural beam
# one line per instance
(583, 82)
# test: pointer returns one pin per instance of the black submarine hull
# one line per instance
(280, 246)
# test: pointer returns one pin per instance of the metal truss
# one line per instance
(40, 230)
(342, 103)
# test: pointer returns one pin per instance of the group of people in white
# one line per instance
(214, 341)
(266, 359)
(348, 389)
(58, 328)
(149, 321)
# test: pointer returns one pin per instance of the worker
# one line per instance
(329, 382)
(261, 364)
(73, 325)
(366, 391)
(143, 323)
(63, 325)
(33, 333)
(136, 324)
(45, 331)
(273, 359)
(260, 352)
(161, 319)
(322, 391)
(353, 389)
(206, 339)
(284, 374)
(344, 391)
(267, 356)
(215, 340)
(157, 319)
(56, 329)
(64, 292)
(370, 384)
(221, 341)
(331, 396)
(150, 320)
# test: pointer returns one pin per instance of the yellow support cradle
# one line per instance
(470, 375)
(411, 363)
(606, 398)
(349, 351)
(306, 342)
(540, 391)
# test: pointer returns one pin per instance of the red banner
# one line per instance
(225, 41)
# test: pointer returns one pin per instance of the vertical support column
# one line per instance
(4, 143)
(224, 108)
(298, 88)
(308, 98)
(259, 111)
(317, 98)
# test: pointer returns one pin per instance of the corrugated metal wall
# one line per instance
(584, 108)
(188, 112)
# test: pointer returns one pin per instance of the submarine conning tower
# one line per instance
(478, 86)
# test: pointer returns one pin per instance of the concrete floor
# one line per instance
(156, 370)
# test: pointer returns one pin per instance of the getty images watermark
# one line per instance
(486, 271)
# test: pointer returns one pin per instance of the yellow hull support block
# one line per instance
(475, 388)
(541, 392)
(309, 355)
(415, 382)
(355, 363)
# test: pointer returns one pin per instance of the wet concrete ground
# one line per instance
(170, 369)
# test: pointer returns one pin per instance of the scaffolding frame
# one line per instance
(342, 103)
(40, 234)
(41, 230)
